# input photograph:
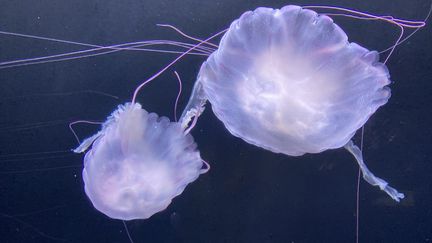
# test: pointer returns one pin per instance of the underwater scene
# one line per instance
(215, 121)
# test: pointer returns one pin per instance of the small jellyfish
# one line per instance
(138, 163)
(289, 81)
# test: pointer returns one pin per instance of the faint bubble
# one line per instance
(175, 220)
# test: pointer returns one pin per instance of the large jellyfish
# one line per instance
(289, 81)
(138, 163)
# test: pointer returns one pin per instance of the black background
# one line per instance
(250, 195)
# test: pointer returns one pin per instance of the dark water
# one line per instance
(250, 195)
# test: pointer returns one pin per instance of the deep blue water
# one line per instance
(250, 195)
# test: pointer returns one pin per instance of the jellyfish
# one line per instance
(138, 163)
(289, 81)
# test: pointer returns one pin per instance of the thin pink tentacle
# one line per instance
(39, 170)
(408, 23)
(81, 121)
(358, 205)
(379, 18)
(401, 26)
(127, 232)
(396, 44)
(178, 95)
(48, 39)
(358, 188)
(170, 64)
(34, 153)
(412, 33)
(118, 47)
(368, 18)
(88, 91)
(7, 160)
(203, 171)
(134, 46)
(111, 49)
(32, 125)
(27, 225)
(64, 41)
(186, 35)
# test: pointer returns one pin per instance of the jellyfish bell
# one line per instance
(292, 76)
(294, 79)
(138, 163)
(288, 80)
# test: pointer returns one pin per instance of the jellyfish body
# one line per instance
(289, 81)
(138, 163)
